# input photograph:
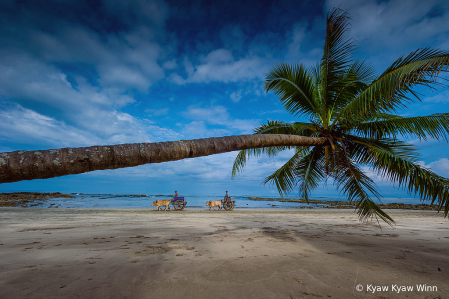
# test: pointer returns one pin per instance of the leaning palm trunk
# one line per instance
(30, 165)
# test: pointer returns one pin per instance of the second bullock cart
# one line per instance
(228, 204)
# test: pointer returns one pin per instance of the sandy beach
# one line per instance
(56, 253)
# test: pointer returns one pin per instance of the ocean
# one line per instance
(194, 201)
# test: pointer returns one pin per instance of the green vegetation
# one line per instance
(356, 111)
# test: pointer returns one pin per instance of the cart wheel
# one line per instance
(179, 205)
(229, 206)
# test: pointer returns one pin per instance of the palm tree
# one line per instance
(29, 165)
(355, 110)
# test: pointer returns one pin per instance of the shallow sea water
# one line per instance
(194, 201)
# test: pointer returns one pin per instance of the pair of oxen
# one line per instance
(166, 202)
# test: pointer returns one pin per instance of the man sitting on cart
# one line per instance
(175, 196)
(228, 203)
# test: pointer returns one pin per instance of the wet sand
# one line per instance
(53, 253)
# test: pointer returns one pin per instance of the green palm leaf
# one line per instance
(435, 126)
(360, 149)
(280, 127)
(353, 81)
(294, 87)
(355, 184)
(310, 171)
(391, 90)
(243, 156)
(336, 60)
(285, 177)
(399, 167)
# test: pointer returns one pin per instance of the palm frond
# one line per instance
(407, 174)
(309, 171)
(294, 87)
(379, 116)
(393, 89)
(354, 183)
(360, 149)
(285, 178)
(280, 127)
(243, 155)
(338, 49)
(421, 127)
(353, 81)
(347, 124)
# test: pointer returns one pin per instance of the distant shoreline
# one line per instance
(35, 199)
(21, 199)
(347, 205)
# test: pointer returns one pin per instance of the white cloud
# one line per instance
(22, 125)
(245, 126)
(273, 111)
(160, 134)
(127, 59)
(378, 179)
(396, 25)
(218, 115)
(218, 57)
(46, 89)
(199, 129)
(170, 64)
(213, 114)
(439, 98)
(236, 96)
(70, 81)
(220, 66)
(248, 58)
(176, 79)
(157, 112)
(440, 167)
(297, 37)
(188, 66)
(26, 126)
(123, 76)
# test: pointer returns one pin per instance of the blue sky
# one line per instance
(83, 73)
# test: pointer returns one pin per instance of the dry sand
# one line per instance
(49, 253)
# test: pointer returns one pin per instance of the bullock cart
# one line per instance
(179, 203)
(228, 204)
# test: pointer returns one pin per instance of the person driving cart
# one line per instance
(174, 196)
(228, 203)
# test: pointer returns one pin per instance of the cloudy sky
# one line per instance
(83, 73)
